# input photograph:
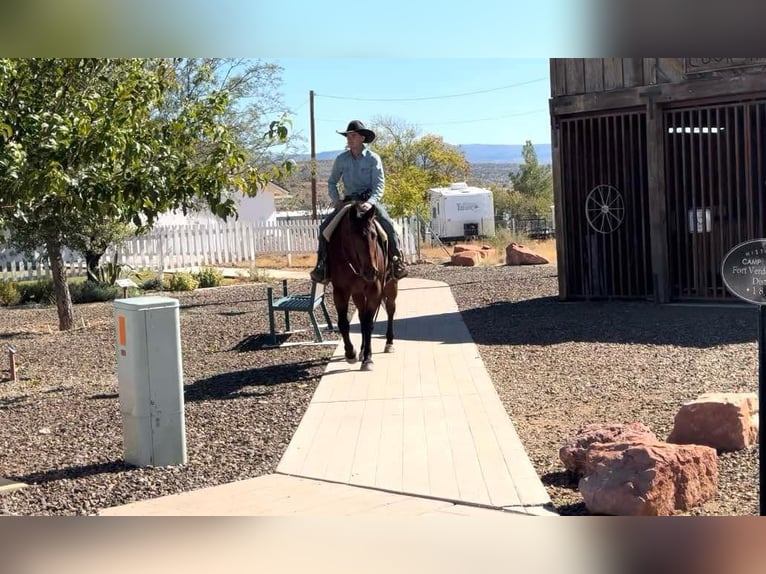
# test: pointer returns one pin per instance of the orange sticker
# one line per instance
(121, 329)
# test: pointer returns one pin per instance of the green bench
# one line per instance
(306, 303)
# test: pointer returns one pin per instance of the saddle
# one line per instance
(328, 231)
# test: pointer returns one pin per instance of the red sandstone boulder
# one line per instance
(465, 258)
(724, 421)
(516, 254)
(484, 251)
(572, 454)
(648, 478)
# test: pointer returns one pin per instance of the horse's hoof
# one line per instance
(352, 359)
(366, 366)
(389, 348)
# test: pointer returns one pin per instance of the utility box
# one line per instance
(150, 377)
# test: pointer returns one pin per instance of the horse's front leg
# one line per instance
(390, 293)
(341, 306)
(367, 321)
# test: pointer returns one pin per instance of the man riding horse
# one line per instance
(361, 172)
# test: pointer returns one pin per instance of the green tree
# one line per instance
(413, 164)
(104, 140)
(532, 191)
(92, 239)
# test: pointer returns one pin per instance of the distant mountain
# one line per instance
(487, 153)
(474, 153)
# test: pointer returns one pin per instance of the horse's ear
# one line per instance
(368, 214)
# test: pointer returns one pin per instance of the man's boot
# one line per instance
(319, 273)
(398, 269)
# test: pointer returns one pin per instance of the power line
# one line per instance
(458, 121)
(432, 97)
(485, 119)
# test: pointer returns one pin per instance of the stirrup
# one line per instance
(319, 274)
(398, 270)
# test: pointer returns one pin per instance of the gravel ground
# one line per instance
(556, 366)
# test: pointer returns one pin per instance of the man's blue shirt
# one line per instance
(358, 175)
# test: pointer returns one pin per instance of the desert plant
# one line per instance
(9, 293)
(209, 277)
(182, 282)
(109, 272)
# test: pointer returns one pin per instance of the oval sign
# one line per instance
(744, 271)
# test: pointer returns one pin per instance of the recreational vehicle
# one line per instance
(462, 212)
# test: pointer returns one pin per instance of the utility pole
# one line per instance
(313, 160)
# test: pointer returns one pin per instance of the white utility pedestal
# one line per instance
(150, 376)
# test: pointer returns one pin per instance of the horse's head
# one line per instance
(358, 234)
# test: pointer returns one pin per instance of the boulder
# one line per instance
(724, 421)
(484, 251)
(516, 254)
(465, 258)
(648, 478)
(572, 454)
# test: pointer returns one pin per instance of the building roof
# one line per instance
(277, 190)
(459, 188)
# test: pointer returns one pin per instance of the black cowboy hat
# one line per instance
(358, 127)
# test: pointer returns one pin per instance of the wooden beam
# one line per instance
(722, 89)
(558, 202)
(658, 225)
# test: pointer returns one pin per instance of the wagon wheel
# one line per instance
(604, 208)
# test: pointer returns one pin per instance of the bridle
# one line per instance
(372, 246)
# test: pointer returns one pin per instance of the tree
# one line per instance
(111, 140)
(532, 191)
(93, 238)
(413, 164)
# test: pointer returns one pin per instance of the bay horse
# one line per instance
(358, 266)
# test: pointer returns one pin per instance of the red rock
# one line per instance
(465, 258)
(724, 421)
(483, 250)
(516, 254)
(572, 454)
(648, 478)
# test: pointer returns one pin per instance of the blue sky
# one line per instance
(301, 28)
(393, 50)
(464, 100)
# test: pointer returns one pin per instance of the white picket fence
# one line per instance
(180, 247)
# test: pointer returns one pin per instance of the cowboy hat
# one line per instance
(358, 127)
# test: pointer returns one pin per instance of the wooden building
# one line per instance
(659, 169)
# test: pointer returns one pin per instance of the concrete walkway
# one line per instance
(423, 433)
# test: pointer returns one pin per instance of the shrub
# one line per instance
(9, 293)
(258, 275)
(182, 282)
(38, 292)
(154, 284)
(91, 292)
(209, 277)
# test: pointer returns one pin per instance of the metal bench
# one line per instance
(306, 303)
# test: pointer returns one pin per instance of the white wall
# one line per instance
(258, 209)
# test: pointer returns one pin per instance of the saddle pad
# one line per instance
(335, 221)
